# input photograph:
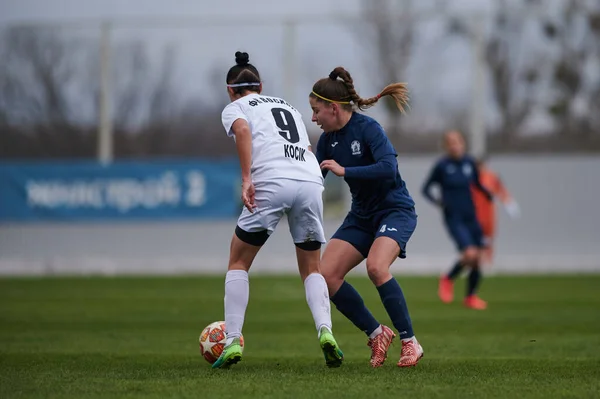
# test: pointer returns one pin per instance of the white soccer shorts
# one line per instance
(301, 201)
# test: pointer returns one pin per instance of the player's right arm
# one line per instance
(510, 205)
(236, 125)
(434, 178)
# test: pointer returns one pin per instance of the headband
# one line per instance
(244, 84)
(328, 100)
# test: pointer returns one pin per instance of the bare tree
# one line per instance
(513, 70)
(594, 24)
(390, 36)
(142, 94)
(38, 73)
(34, 71)
(49, 95)
(577, 36)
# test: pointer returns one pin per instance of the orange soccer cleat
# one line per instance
(380, 345)
(474, 302)
(446, 289)
(411, 353)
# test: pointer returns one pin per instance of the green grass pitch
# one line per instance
(138, 338)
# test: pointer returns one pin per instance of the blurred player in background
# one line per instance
(280, 176)
(455, 174)
(486, 210)
(382, 217)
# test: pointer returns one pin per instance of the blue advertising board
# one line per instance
(70, 191)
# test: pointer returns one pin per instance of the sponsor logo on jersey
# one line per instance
(467, 170)
(268, 100)
(355, 147)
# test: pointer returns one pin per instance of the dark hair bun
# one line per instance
(242, 59)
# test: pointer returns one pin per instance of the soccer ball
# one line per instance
(212, 341)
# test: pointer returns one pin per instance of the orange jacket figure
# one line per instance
(486, 210)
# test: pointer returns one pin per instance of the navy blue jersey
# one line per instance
(371, 168)
(455, 177)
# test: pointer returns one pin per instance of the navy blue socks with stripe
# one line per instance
(395, 304)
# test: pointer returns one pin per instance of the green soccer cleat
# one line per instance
(333, 354)
(232, 354)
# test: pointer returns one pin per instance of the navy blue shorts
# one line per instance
(465, 231)
(361, 231)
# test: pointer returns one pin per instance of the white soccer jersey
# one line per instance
(279, 139)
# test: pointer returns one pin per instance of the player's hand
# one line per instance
(513, 210)
(248, 194)
(334, 167)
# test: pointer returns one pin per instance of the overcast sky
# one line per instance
(440, 73)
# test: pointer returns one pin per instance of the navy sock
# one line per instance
(455, 272)
(474, 279)
(393, 300)
(349, 302)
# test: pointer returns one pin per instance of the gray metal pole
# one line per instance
(105, 126)
(289, 61)
(477, 132)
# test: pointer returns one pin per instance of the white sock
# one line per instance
(237, 291)
(317, 297)
(377, 331)
(413, 339)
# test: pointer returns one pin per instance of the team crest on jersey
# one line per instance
(355, 147)
(467, 170)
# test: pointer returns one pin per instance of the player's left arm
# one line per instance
(510, 205)
(434, 178)
(243, 143)
(383, 153)
(501, 191)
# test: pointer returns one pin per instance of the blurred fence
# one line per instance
(559, 231)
